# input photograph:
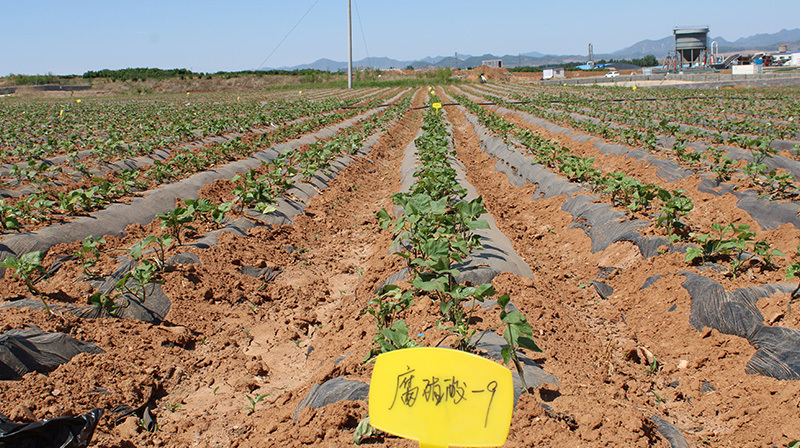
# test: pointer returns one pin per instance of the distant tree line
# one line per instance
(302, 72)
(135, 74)
(538, 68)
(142, 74)
(38, 80)
(307, 76)
(647, 61)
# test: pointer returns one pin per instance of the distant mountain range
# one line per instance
(658, 48)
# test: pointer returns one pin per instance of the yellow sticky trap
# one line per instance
(77, 101)
(61, 113)
(441, 397)
(634, 87)
(436, 106)
(300, 92)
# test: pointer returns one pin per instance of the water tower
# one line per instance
(691, 44)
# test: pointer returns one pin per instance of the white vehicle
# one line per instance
(612, 74)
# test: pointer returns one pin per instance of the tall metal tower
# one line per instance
(349, 46)
(691, 43)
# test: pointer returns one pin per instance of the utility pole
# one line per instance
(349, 46)
(456, 60)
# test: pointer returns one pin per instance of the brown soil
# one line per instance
(102, 87)
(229, 336)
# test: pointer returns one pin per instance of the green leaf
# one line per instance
(389, 290)
(136, 251)
(478, 224)
(514, 317)
(511, 334)
(503, 300)
(398, 335)
(264, 208)
(525, 328)
(363, 430)
(10, 262)
(692, 253)
(439, 207)
(484, 290)
(167, 240)
(148, 240)
(528, 343)
(384, 219)
(444, 307)
(436, 284)
(792, 270)
(506, 352)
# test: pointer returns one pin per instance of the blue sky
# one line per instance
(72, 37)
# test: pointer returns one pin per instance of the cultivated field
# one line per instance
(215, 257)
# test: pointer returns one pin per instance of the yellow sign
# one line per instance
(436, 106)
(441, 397)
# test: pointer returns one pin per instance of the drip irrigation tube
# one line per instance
(356, 107)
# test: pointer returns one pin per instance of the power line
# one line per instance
(360, 25)
(287, 35)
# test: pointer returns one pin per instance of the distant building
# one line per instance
(786, 58)
(621, 66)
(749, 69)
(493, 63)
(609, 66)
(553, 72)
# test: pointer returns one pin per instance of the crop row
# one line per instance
(649, 115)
(435, 235)
(762, 168)
(47, 201)
(250, 191)
(86, 163)
(774, 115)
(112, 129)
(734, 243)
